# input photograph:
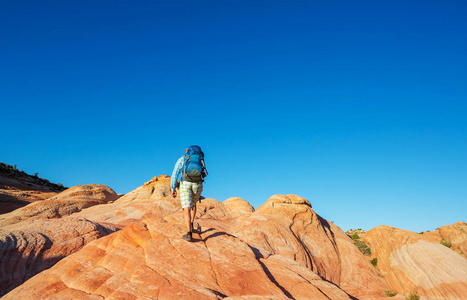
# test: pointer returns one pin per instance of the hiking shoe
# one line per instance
(187, 237)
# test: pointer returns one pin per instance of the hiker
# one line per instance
(192, 169)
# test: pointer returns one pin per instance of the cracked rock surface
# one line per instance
(282, 250)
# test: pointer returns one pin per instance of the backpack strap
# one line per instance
(204, 167)
(185, 163)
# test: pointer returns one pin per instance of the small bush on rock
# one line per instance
(412, 296)
(445, 243)
(363, 247)
(389, 293)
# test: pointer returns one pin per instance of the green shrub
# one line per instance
(445, 243)
(412, 296)
(355, 236)
(363, 248)
(374, 261)
(389, 293)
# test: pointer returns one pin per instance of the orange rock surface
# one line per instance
(29, 247)
(148, 260)
(456, 235)
(35, 237)
(132, 249)
(67, 202)
(16, 193)
(411, 263)
(282, 250)
(288, 226)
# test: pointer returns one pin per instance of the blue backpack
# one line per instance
(193, 168)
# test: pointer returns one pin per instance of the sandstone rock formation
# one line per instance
(67, 202)
(32, 241)
(18, 189)
(454, 236)
(288, 226)
(411, 264)
(152, 200)
(148, 260)
(282, 250)
(31, 246)
(131, 249)
(15, 194)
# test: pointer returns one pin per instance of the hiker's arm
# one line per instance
(175, 173)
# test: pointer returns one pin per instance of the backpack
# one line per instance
(193, 168)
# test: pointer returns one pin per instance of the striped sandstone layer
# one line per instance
(66, 203)
(16, 193)
(33, 238)
(415, 263)
(282, 250)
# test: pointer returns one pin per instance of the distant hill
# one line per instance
(30, 180)
(17, 188)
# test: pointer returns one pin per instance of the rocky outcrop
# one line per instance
(411, 264)
(35, 237)
(287, 226)
(282, 250)
(453, 236)
(31, 242)
(15, 193)
(31, 246)
(18, 188)
(152, 200)
(67, 202)
(237, 207)
(456, 236)
(149, 260)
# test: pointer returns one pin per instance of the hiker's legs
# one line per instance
(186, 197)
(187, 217)
(197, 189)
(189, 195)
(193, 213)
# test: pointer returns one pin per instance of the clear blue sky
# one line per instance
(358, 106)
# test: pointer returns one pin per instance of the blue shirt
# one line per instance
(176, 173)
